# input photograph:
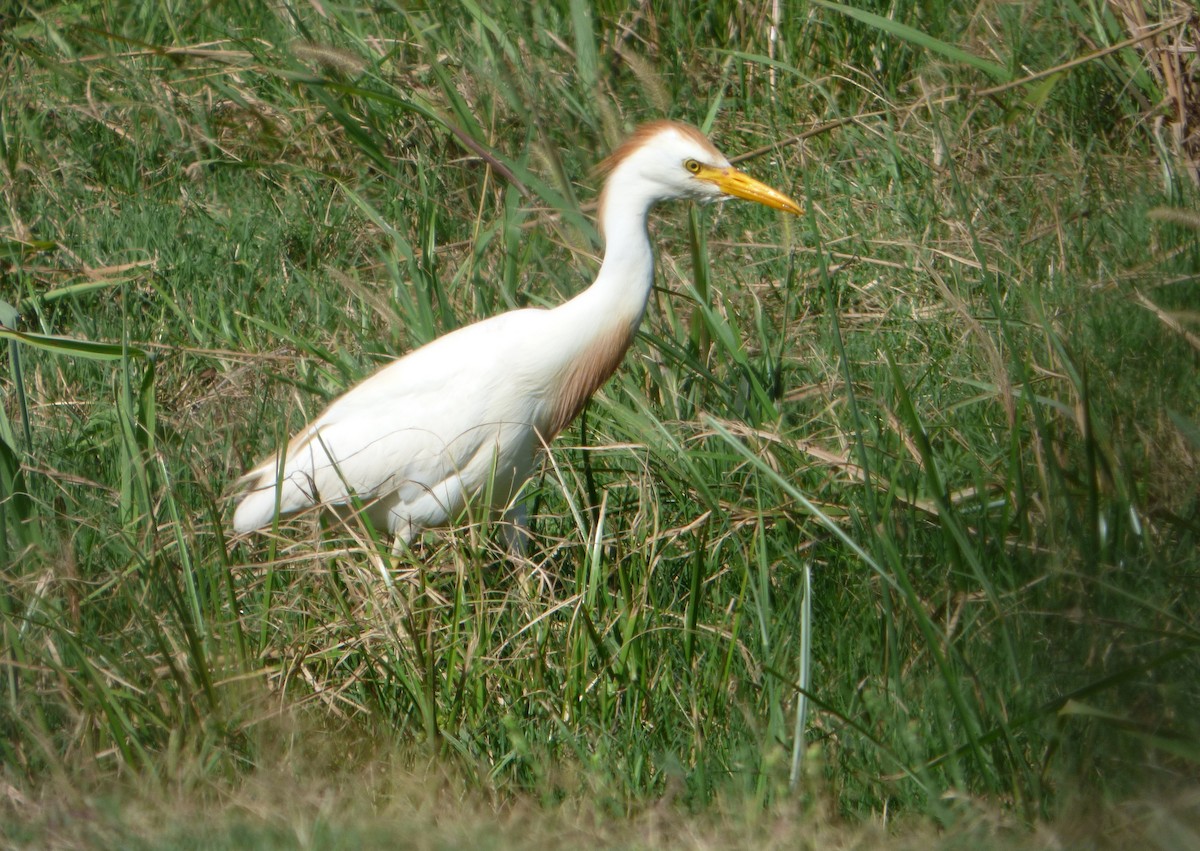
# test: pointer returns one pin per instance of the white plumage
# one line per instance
(464, 416)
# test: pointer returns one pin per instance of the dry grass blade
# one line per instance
(1171, 54)
(1135, 40)
(1169, 319)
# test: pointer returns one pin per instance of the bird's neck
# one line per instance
(603, 319)
(621, 289)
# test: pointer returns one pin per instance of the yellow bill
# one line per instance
(740, 185)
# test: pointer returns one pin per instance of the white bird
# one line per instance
(461, 420)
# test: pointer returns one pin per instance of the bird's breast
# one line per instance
(589, 365)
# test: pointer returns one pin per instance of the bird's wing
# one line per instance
(412, 424)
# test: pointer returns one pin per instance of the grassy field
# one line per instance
(886, 531)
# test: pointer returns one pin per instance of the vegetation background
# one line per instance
(886, 529)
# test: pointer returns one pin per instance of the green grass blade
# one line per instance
(915, 36)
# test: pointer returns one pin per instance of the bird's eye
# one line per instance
(692, 166)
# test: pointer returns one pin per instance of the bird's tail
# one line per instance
(262, 499)
(254, 511)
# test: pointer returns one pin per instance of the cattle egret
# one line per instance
(462, 419)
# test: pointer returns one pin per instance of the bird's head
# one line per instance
(667, 160)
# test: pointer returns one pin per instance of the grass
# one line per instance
(951, 415)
